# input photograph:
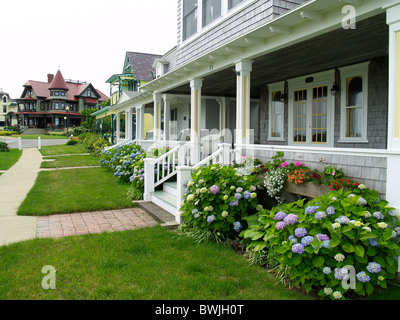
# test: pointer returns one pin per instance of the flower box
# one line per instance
(307, 189)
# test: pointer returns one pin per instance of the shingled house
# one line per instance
(318, 79)
(45, 104)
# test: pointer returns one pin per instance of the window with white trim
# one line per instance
(276, 112)
(211, 11)
(189, 24)
(354, 103)
(233, 3)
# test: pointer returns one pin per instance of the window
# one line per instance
(233, 3)
(211, 11)
(354, 104)
(189, 18)
(56, 93)
(56, 106)
(276, 112)
(89, 93)
(4, 99)
(4, 109)
(63, 93)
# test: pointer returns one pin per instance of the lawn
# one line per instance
(63, 149)
(75, 190)
(35, 136)
(70, 161)
(8, 159)
(145, 264)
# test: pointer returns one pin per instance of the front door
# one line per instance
(311, 111)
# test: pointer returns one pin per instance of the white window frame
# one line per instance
(325, 78)
(274, 87)
(360, 69)
(225, 14)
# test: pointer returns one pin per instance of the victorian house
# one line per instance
(317, 79)
(48, 104)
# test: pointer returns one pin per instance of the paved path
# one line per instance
(56, 226)
(16, 182)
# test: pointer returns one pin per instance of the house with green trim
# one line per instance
(137, 71)
(317, 79)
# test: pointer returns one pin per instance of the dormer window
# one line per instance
(56, 93)
(62, 93)
(89, 93)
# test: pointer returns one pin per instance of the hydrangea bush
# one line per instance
(343, 244)
(218, 200)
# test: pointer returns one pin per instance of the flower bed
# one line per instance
(217, 201)
(342, 244)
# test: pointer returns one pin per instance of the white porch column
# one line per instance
(118, 126)
(222, 113)
(393, 169)
(195, 107)
(140, 123)
(167, 116)
(128, 125)
(243, 69)
(157, 116)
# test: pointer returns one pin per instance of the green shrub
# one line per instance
(323, 242)
(4, 147)
(217, 201)
(71, 142)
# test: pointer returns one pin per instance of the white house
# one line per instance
(317, 79)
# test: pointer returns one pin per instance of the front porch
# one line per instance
(322, 99)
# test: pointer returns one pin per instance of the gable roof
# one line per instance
(41, 89)
(142, 65)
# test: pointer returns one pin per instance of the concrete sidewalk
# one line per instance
(15, 184)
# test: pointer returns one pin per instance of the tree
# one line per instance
(90, 120)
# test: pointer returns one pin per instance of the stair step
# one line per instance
(166, 219)
(170, 187)
(165, 197)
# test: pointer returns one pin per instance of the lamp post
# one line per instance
(67, 108)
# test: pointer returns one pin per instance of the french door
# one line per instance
(311, 111)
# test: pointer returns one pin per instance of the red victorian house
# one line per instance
(46, 104)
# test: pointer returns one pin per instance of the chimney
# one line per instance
(50, 78)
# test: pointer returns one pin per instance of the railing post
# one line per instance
(19, 143)
(184, 174)
(148, 178)
(39, 143)
(181, 153)
(226, 158)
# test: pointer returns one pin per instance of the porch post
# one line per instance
(157, 116)
(243, 69)
(112, 129)
(393, 165)
(222, 113)
(167, 116)
(140, 123)
(195, 107)
(118, 126)
(128, 125)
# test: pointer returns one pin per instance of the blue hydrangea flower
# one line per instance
(327, 270)
(373, 243)
(293, 239)
(237, 226)
(320, 215)
(363, 277)
(300, 232)
(280, 216)
(211, 219)
(341, 273)
(374, 267)
(311, 210)
(331, 211)
(307, 240)
(298, 248)
(247, 195)
(343, 220)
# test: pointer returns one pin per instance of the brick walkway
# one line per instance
(61, 225)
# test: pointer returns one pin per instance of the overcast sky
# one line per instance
(88, 39)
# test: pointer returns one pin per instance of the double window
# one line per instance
(198, 14)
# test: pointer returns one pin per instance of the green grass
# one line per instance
(146, 264)
(75, 190)
(8, 159)
(35, 136)
(71, 161)
(63, 149)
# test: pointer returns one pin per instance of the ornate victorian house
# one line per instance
(45, 104)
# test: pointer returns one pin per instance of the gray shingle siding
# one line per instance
(253, 16)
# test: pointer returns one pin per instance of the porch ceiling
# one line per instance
(335, 49)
